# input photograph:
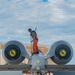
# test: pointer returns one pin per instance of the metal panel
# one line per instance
(11, 73)
(60, 68)
(64, 73)
(15, 67)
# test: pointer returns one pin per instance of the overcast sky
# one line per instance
(54, 19)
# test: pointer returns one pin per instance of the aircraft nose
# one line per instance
(38, 68)
(38, 63)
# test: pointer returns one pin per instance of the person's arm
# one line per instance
(31, 39)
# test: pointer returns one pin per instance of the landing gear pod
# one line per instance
(63, 52)
(12, 52)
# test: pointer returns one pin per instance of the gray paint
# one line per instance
(10, 72)
(64, 73)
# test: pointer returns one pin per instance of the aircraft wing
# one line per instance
(52, 68)
(15, 67)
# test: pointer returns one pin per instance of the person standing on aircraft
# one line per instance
(34, 37)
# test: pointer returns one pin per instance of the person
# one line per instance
(34, 37)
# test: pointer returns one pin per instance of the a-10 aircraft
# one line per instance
(60, 52)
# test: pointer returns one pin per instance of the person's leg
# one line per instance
(35, 47)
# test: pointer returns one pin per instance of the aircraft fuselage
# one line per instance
(38, 62)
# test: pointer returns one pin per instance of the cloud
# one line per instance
(17, 16)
